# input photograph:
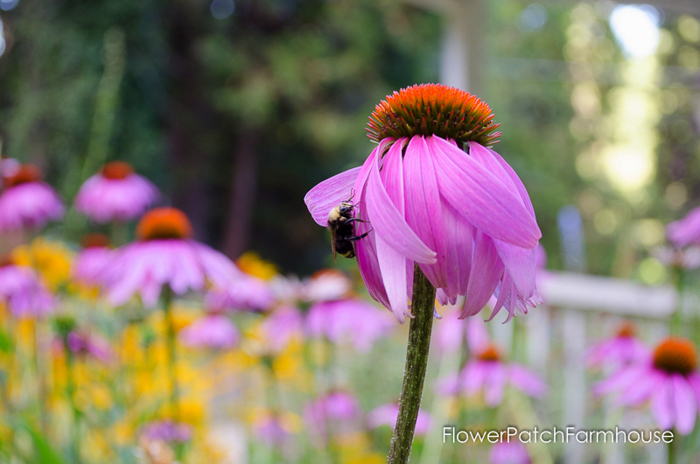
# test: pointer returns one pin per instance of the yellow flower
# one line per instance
(356, 449)
(51, 258)
(251, 263)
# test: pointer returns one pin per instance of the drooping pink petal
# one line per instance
(641, 390)
(662, 406)
(527, 381)
(483, 282)
(684, 404)
(620, 380)
(508, 170)
(367, 260)
(477, 335)
(325, 196)
(493, 207)
(520, 263)
(459, 235)
(495, 383)
(388, 222)
(424, 208)
(393, 268)
(473, 377)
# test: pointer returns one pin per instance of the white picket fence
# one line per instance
(579, 310)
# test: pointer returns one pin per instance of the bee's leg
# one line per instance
(359, 237)
(351, 220)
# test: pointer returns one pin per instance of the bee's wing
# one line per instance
(335, 252)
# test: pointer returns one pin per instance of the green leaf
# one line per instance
(5, 342)
(44, 452)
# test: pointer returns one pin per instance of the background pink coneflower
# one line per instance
(489, 374)
(386, 414)
(116, 193)
(23, 292)
(348, 320)
(91, 262)
(668, 380)
(509, 452)
(165, 254)
(622, 349)
(211, 331)
(26, 202)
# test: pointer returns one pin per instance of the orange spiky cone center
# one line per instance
(117, 170)
(433, 109)
(676, 355)
(492, 353)
(164, 223)
(94, 241)
(627, 330)
(25, 174)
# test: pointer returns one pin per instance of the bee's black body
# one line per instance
(341, 224)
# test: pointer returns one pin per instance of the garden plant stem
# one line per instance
(423, 307)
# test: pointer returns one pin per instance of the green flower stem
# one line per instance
(119, 233)
(672, 450)
(75, 438)
(172, 353)
(677, 325)
(42, 395)
(421, 325)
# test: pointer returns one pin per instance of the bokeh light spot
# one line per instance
(636, 29)
(676, 195)
(651, 271)
(649, 232)
(222, 9)
(689, 28)
(532, 18)
(605, 221)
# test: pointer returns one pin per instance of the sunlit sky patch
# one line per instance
(636, 28)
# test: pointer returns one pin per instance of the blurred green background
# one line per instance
(236, 108)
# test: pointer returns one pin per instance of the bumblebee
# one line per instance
(341, 224)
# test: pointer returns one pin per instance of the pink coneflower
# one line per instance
(167, 431)
(426, 200)
(270, 429)
(281, 327)
(87, 344)
(623, 349)
(23, 292)
(326, 285)
(116, 193)
(685, 231)
(348, 320)
(165, 255)
(26, 202)
(91, 262)
(247, 293)
(489, 374)
(336, 412)
(682, 258)
(386, 414)
(509, 452)
(669, 380)
(211, 331)
(286, 289)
